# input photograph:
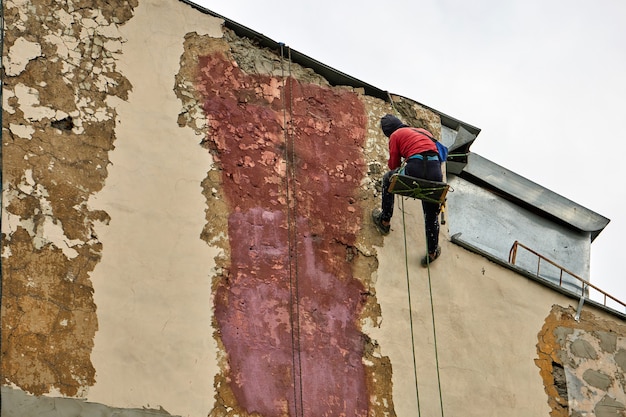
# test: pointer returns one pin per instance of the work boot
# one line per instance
(378, 222)
(430, 258)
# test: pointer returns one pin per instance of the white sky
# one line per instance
(544, 80)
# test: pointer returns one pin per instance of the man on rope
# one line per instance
(421, 160)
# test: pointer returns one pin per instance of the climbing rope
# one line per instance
(432, 314)
(432, 308)
(408, 285)
(290, 178)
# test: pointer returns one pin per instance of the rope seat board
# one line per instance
(426, 190)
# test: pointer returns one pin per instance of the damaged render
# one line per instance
(57, 132)
(583, 364)
(288, 217)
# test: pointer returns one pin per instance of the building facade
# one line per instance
(186, 231)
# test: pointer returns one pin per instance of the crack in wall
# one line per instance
(57, 132)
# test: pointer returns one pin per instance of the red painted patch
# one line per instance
(268, 296)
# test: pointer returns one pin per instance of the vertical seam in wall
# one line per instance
(2, 137)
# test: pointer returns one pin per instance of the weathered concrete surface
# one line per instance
(591, 353)
(16, 403)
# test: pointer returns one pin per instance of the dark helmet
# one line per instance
(390, 123)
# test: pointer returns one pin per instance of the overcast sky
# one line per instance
(544, 80)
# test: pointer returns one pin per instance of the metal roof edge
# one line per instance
(534, 195)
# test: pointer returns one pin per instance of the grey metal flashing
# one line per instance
(459, 150)
(333, 76)
(490, 175)
(456, 239)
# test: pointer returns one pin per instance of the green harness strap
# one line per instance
(414, 190)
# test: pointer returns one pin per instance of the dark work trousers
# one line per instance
(429, 170)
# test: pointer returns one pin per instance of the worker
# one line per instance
(418, 149)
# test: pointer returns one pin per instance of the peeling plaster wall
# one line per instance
(186, 231)
(71, 202)
(295, 284)
(58, 129)
(153, 290)
(583, 364)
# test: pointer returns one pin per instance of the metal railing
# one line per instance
(584, 283)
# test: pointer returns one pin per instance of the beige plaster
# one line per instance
(20, 54)
(154, 346)
(486, 320)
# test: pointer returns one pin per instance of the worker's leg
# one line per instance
(430, 170)
(431, 220)
(388, 198)
(382, 217)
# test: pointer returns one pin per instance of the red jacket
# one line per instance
(406, 142)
